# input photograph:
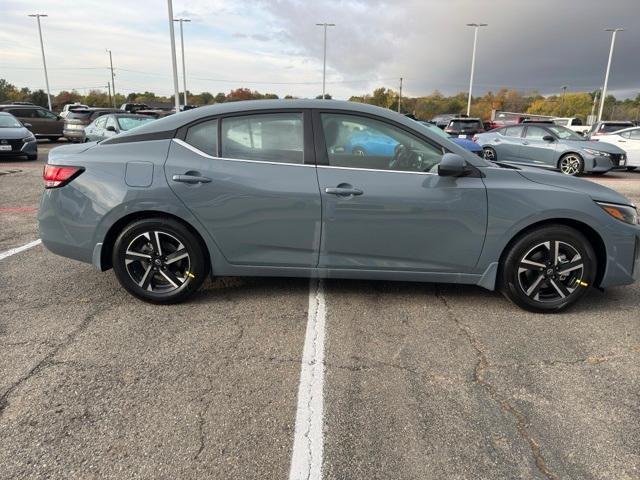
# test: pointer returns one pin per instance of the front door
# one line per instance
(255, 190)
(391, 211)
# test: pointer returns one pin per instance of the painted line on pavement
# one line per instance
(306, 460)
(13, 251)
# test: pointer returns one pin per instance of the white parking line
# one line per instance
(13, 251)
(306, 460)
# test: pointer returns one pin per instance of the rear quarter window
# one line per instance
(204, 136)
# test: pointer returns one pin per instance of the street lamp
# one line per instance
(184, 70)
(113, 81)
(44, 62)
(564, 91)
(324, 61)
(476, 26)
(176, 91)
(606, 76)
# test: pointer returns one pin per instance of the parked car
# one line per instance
(241, 188)
(77, 120)
(72, 106)
(134, 107)
(442, 120)
(15, 139)
(572, 123)
(111, 124)
(550, 146)
(607, 126)
(628, 140)
(43, 123)
(470, 145)
(464, 127)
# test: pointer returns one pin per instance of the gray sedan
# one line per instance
(550, 146)
(15, 139)
(112, 124)
(270, 188)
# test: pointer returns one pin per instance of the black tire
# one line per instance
(490, 154)
(520, 269)
(571, 164)
(631, 169)
(151, 279)
(53, 139)
(32, 157)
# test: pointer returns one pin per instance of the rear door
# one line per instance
(251, 180)
(535, 150)
(507, 144)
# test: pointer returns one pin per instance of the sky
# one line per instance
(274, 46)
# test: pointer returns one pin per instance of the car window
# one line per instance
(111, 122)
(23, 112)
(100, 122)
(625, 134)
(46, 114)
(362, 142)
(273, 137)
(635, 134)
(535, 133)
(204, 136)
(515, 131)
(128, 123)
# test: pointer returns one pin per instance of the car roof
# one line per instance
(11, 105)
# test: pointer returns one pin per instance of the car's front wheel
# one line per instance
(571, 164)
(548, 269)
(489, 154)
(159, 260)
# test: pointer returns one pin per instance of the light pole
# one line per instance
(564, 91)
(476, 26)
(184, 70)
(113, 81)
(400, 95)
(176, 91)
(606, 75)
(44, 62)
(324, 60)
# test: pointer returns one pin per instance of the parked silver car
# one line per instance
(271, 188)
(112, 124)
(550, 146)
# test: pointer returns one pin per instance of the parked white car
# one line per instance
(628, 140)
(572, 123)
(69, 107)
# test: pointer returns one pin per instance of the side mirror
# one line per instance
(452, 165)
(27, 125)
(111, 128)
(548, 138)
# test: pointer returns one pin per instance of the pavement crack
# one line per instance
(47, 360)
(522, 423)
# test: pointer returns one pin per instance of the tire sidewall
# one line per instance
(509, 269)
(199, 264)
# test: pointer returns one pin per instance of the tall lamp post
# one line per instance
(606, 75)
(324, 60)
(44, 62)
(476, 26)
(176, 90)
(113, 81)
(184, 70)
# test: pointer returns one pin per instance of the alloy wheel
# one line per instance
(489, 154)
(570, 165)
(551, 271)
(158, 262)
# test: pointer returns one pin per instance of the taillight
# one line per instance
(474, 138)
(55, 176)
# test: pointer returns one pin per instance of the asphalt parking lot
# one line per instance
(420, 381)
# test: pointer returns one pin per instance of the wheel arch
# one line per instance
(115, 229)
(592, 235)
(569, 152)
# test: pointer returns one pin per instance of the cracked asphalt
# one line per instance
(421, 381)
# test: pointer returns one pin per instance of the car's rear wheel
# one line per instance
(159, 260)
(548, 269)
(631, 169)
(489, 154)
(32, 157)
(571, 164)
(53, 139)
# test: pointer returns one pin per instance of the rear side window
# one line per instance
(24, 112)
(204, 136)
(535, 133)
(273, 137)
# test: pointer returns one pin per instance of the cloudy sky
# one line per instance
(273, 45)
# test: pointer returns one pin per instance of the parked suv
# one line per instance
(464, 127)
(76, 121)
(44, 124)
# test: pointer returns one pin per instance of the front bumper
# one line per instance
(20, 148)
(623, 257)
(604, 164)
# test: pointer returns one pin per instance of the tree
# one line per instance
(220, 98)
(6, 89)
(39, 97)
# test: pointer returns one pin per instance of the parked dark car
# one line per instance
(442, 120)
(112, 124)
(464, 127)
(607, 126)
(470, 145)
(76, 121)
(15, 139)
(242, 188)
(44, 124)
(134, 107)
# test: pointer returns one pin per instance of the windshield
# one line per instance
(9, 122)
(564, 133)
(127, 123)
(464, 124)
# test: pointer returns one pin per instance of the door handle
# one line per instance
(525, 143)
(190, 179)
(343, 191)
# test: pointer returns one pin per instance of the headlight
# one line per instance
(596, 153)
(30, 138)
(624, 213)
